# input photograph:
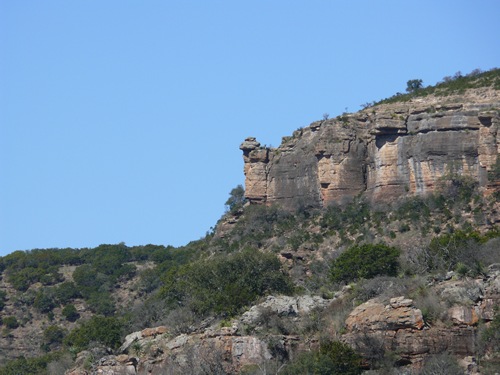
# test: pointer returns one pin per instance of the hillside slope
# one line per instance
(366, 243)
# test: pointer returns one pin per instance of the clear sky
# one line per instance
(120, 121)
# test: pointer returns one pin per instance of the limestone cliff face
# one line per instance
(383, 152)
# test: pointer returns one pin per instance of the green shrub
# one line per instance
(23, 278)
(106, 331)
(365, 262)
(494, 174)
(448, 250)
(10, 322)
(414, 209)
(451, 85)
(70, 313)
(351, 217)
(88, 279)
(29, 366)
(332, 358)
(225, 284)
(108, 259)
(490, 336)
(259, 223)
(65, 292)
(44, 301)
(101, 303)
(3, 298)
(52, 337)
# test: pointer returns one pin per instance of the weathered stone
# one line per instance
(397, 302)
(373, 315)
(148, 332)
(463, 315)
(284, 306)
(249, 144)
(397, 150)
(129, 340)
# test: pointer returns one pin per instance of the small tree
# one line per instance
(236, 199)
(70, 313)
(365, 262)
(413, 85)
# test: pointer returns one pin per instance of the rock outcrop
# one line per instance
(394, 328)
(383, 152)
(375, 328)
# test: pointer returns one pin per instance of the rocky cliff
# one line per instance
(384, 152)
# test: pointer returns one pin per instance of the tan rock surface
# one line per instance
(385, 152)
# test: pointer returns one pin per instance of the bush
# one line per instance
(66, 292)
(44, 301)
(3, 298)
(88, 279)
(10, 322)
(384, 287)
(70, 313)
(52, 337)
(442, 364)
(332, 358)
(225, 284)
(101, 303)
(490, 336)
(447, 251)
(259, 223)
(106, 331)
(351, 217)
(365, 262)
(29, 366)
(494, 173)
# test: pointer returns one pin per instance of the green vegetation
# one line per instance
(236, 199)
(44, 300)
(494, 174)
(490, 336)
(449, 86)
(3, 298)
(70, 313)
(365, 262)
(222, 275)
(413, 85)
(29, 366)
(66, 292)
(106, 331)
(52, 337)
(10, 322)
(332, 358)
(225, 284)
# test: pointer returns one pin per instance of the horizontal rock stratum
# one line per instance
(384, 152)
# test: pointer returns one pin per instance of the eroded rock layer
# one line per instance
(383, 152)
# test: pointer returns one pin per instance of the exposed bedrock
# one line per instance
(385, 153)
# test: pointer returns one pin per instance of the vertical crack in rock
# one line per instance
(385, 153)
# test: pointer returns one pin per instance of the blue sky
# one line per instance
(120, 121)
